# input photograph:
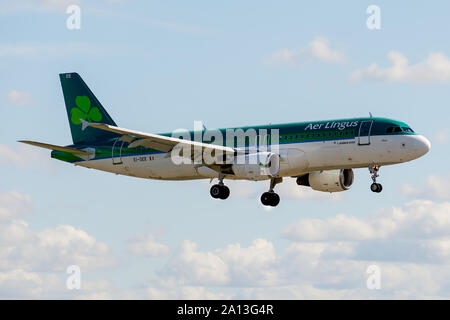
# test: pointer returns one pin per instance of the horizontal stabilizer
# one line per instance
(58, 148)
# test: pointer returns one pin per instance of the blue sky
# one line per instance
(158, 66)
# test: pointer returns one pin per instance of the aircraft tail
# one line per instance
(82, 106)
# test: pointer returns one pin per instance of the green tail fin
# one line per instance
(81, 104)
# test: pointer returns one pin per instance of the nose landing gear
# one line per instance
(375, 187)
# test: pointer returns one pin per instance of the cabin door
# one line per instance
(117, 152)
(364, 132)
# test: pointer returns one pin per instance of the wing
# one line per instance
(163, 143)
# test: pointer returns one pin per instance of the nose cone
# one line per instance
(421, 145)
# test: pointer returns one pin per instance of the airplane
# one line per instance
(318, 154)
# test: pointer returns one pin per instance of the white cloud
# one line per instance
(233, 265)
(410, 245)
(419, 219)
(146, 245)
(19, 98)
(20, 283)
(317, 50)
(295, 291)
(171, 289)
(51, 249)
(435, 187)
(320, 49)
(436, 68)
(252, 264)
(327, 258)
(347, 280)
(13, 204)
(324, 259)
(65, 245)
(192, 267)
(98, 290)
(29, 259)
(341, 227)
(410, 191)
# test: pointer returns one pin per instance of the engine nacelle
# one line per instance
(257, 166)
(328, 180)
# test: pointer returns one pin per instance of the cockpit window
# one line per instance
(398, 129)
(407, 129)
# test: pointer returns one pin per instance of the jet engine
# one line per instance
(256, 166)
(328, 180)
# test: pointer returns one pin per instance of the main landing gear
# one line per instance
(270, 198)
(220, 191)
(375, 187)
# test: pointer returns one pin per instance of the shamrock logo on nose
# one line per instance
(84, 111)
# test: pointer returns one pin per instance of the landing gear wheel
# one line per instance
(275, 200)
(380, 188)
(373, 187)
(270, 199)
(218, 191)
(225, 192)
(376, 187)
(265, 198)
(215, 191)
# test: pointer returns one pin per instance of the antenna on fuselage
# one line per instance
(370, 114)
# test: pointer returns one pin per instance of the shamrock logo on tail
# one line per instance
(84, 111)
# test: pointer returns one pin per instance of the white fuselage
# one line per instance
(295, 158)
